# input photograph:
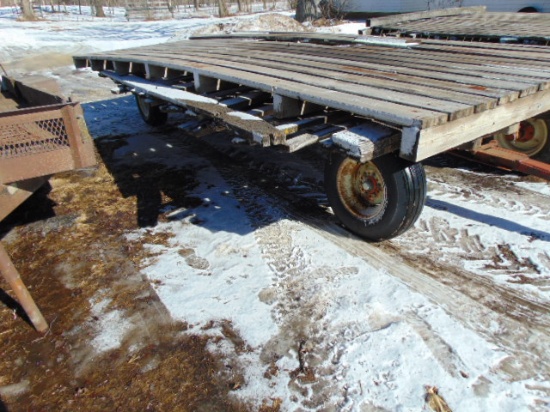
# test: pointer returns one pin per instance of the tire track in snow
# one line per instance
(299, 310)
(504, 316)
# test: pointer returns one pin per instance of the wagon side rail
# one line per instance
(47, 135)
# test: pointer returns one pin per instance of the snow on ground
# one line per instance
(296, 294)
(71, 36)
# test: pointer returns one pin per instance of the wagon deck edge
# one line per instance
(417, 142)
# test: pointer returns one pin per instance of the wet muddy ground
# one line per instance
(68, 242)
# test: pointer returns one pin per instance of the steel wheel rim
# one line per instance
(362, 189)
(533, 137)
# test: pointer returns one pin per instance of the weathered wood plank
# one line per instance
(487, 26)
(321, 50)
(416, 67)
(348, 71)
(332, 79)
(381, 110)
(246, 101)
(387, 84)
(421, 15)
(299, 142)
(417, 145)
(367, 141)
(323, 119)
(468, 83)
(248, 126)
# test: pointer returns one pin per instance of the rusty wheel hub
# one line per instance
(531, 138)
(361, 188)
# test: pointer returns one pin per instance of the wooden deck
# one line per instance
(439, 94)
(476, 25)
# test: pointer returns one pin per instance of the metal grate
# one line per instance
(32, 137)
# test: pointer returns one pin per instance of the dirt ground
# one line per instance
(74, 231)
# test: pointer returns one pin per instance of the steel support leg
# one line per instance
(23, 296)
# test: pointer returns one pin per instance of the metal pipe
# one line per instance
(11, 274)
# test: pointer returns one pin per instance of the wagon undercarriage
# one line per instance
(381, 105)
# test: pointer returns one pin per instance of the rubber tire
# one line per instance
(544, 154)
(406, 190)
(528, 10)
(152, 115)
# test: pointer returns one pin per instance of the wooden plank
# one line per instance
(348, 71)
(417, 145)
(327, 79)
(419, 76)
(457, 75)
(357, 79)
(395, 73)
(307, 139)
(250, 127)
(285, 107)
(497, 68)
(299, 142)
(323, 119)
(538, 56)
(246, 101)
(489, 25)
(367, 141)
(418, 68)
(528, 55)
(381, 110)
(389, 79)
(262, 111)
(421, 15)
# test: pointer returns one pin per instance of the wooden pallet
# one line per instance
(437, 94)
(467, 24)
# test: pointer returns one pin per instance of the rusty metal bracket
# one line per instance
(491, 153)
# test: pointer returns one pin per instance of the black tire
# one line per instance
(152, 115)
(376, 200)
(544, 154)
(528, 10)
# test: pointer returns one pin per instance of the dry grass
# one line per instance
(435, 401)
(78, 254)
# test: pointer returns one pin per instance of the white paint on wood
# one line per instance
(366, 141)
(244, 116)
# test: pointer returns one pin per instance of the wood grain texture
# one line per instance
(434, 85)
(487, 25)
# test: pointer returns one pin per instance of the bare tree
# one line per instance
(98, 6)
(333, 9)
(308, 10)
(222, 9)
(28, 12)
